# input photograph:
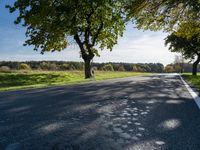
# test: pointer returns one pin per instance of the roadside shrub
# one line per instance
(116, 66)
(64, 67)
(24, 66)
(53, 66)
(108, 67)
(67, 67)
(4, 69)
(71, 67)
(44, 66)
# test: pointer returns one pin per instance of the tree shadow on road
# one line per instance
(145, 113)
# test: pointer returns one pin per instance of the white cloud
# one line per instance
(135, 47)
(148, 47)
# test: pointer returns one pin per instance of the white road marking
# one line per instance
(192, 93)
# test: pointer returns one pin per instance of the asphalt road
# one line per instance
(135, 113)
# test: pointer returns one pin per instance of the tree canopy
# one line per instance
(180, 18)
(188, 47)
(164, 14)
(189, 29)
(49, 22)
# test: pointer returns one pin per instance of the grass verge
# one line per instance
(36, 79)
(194, 80)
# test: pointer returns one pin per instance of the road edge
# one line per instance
(192, 92)
(54, 86)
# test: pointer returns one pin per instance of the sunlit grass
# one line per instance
(37, 79)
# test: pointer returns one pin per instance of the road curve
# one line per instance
(135, 113)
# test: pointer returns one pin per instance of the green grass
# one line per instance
(36, 79)
(194, 80)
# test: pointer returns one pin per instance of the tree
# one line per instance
(169, 68)
(135, 68)
(139, 68)
(188, 47)
(108, 67)
(165, 14)
(53, 66)
(178, 63)
(51, 25)
(24, 66)
(174, 16)
(121, 68)
(4, 69)
(65, 67)
(44, 66)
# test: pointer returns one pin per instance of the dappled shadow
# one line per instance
(133, 113)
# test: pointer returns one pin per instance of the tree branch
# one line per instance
(97, 34)
(87, 30)
(77, 39)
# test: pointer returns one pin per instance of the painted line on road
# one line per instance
(192, 93)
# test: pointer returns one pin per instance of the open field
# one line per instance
(194, 80)
(37, 79)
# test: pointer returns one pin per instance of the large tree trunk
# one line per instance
(88, 67)
(87, 57)
(195, 65)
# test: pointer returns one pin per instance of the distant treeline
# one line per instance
(179, 67)
(62, 66)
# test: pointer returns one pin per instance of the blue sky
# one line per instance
(134, 47)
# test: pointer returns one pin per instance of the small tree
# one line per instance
(53, 66)
(52, 24)
(139, 68)
(108, 67)
(44, 66)
(71, 67)
(4, 69)
(121, 68)
(24, 66)
(169, 68)
(135, 68)
(65, 66)
(178, 63)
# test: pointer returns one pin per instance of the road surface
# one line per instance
(135, 113)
